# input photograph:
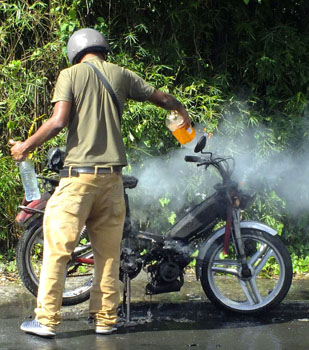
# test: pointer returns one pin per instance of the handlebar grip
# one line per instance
(193, 159)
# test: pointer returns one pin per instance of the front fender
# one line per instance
(220, 232)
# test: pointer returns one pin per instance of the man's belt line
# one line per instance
(75, 171)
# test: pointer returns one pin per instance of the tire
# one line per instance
(29, 255)
(221, 274)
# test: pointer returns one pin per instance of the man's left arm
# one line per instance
(58, 120)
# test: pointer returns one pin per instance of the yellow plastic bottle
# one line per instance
(183, 135)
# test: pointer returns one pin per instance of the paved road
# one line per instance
(188, 321)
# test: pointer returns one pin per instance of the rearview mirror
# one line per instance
(201, 144)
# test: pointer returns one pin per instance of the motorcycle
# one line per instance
(243, 266)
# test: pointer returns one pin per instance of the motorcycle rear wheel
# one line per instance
(29, 255)
(271, 271)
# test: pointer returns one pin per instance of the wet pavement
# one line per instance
(182, 320)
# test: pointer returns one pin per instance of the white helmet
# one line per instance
(86, 40)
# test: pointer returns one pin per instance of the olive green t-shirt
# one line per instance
(94, 131)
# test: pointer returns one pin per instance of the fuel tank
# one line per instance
(198, 218)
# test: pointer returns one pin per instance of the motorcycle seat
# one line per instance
(129, 181)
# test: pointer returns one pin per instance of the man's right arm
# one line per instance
(58, 120)
(169, 102)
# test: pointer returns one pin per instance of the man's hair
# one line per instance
(81, 54)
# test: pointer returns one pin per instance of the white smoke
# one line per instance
(259, 163)
(168, 184)
(263, 165)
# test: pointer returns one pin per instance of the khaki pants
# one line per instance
(98, 202)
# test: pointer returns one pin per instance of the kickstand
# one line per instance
(126, 297)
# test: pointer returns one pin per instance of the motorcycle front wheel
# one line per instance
(29, 255)
(271, 274)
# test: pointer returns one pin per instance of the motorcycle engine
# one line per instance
(169, 271)
(166, 270)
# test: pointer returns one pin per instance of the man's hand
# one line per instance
(186, 122)
(17, 151)
(169, 102)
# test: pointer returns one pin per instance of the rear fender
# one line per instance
(30, 209)
(219, 233)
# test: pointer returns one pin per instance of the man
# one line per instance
(90, 190)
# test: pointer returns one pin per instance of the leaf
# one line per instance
(64, 27)
(72, 14)
(164, 201)
(172, 218)
(100, 20)
(11, 125)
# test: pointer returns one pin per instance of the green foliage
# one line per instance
(300, 263)
(8, 194)
(8, 263)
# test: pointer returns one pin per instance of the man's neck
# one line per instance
(91, 55)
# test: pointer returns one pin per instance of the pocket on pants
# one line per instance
(118, 208)
(116, 199)
(69, 197)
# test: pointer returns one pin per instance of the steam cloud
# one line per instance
(285, 172)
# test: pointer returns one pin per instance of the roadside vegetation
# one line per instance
(240, 67)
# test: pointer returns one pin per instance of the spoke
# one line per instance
(245, 287)
(226, 262)
(82, 248)
(227, 271)
(255, 290)
(258, 268)
(258, 254)
(222, 266)
(251, 291)
(80, 275)
(88, 255)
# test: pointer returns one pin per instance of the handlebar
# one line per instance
(194, 159)
(221, 164)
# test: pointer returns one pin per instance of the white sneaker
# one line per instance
(105, 330)
(35, 327)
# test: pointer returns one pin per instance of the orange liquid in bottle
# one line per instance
(184, 135)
